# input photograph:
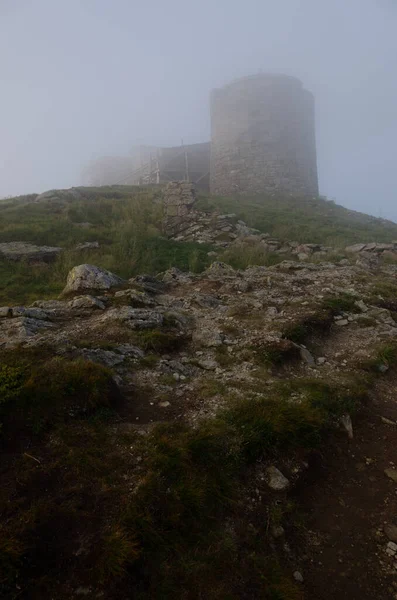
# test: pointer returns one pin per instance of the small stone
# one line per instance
(208, 365)
(342, 322)
(391, 474)
(307, 357)
(361, 305)
(276, 480)
(391, 532)
(387, 421)
(321, 360)
(5, 311)
(176, 376)
(278, 531)
(164, 404)
(348, 425)
(82, 302)
(391, 548)
(87, 246)
(298, 576)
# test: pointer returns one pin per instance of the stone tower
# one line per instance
(263, 138)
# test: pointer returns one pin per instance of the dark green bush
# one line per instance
(11, 381)
(42, 394)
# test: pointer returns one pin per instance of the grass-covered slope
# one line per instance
(126, 221)
(306, 220)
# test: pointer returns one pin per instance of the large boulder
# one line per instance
(25, 251)
(89, 277)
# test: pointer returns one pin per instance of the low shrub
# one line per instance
(343, 303)
(319, 322)
(386, 357)
(277, 352)
(39, 395)
(11, 381)
(154, 340)
(246, 255)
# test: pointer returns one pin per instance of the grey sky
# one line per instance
(83, 78)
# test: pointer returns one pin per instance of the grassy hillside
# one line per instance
(140, 457)
(126, 221)
(314, 220)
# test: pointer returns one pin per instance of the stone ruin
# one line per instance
(178, 201)
(182, 222)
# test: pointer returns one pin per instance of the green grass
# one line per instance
(159, 531)
(126, 220)
(242, 256)
(385, 358)
(315, 220)
(162, 515)
(278, 352)
(37, 393)
(306, 326)
(127, 225)
(342, 303)
(194, 475)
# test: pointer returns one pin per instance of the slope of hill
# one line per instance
(126, 221)
(182, 436)
(315, 220)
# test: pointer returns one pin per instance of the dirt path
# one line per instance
(348, 505)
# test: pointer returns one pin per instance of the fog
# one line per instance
(84, 78)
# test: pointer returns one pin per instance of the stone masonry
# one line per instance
(263, 138)
(178, 200)
(262, 142)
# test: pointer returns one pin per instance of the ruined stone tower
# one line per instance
(263, 137)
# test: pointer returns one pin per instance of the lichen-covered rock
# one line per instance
(32, 313)
(176, 276)
(136, 318)
(219, 270)
(108, 358)
(86, 302)
(135, 297)
(87, 246)
(18, 251)
(89, 277)
(16, 331)
(207, 337)
(149, 283)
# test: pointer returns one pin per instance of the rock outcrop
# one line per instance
(89, 277)
(18, 251)
(182, 222)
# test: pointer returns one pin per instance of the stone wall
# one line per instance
(263, 138)
(178, 201)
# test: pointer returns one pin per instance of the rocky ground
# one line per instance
(190, 342)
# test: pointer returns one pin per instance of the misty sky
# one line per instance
(84, 78)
